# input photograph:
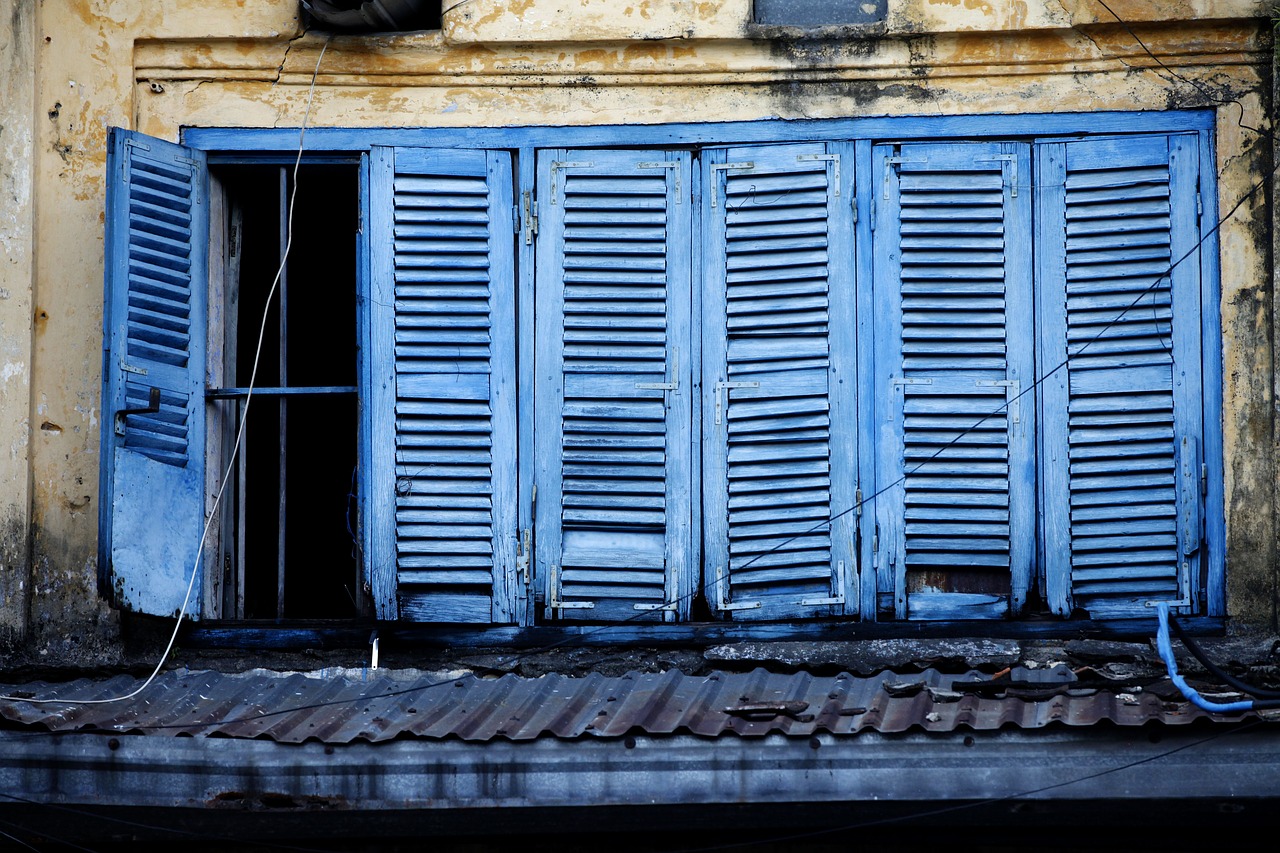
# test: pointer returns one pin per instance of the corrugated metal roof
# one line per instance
(341, 706)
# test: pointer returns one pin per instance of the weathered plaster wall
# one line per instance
(158, 67)
(17, 93)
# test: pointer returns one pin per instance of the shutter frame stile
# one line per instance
(156, 274)
(613, 418)
(968, 357)
(779, 382)
(442, 422)
(1120, 211)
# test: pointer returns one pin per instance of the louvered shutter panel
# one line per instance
(955, 521)
(779, 378)
(443, 294)
(1123, 418)
(613, 444)
(154, 330)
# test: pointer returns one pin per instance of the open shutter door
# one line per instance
(153, 372)
(443, 323)
(779, 379)
(1123, 418)
(956, 519)
(613, 444)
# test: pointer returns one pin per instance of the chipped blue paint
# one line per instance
(613, 428)
(954, 352)
(1123, 419)
(864, 443)
(779, 423)
(154, 331)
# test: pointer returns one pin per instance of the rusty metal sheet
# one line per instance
(342, 706)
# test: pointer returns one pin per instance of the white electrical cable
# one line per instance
(244, 419)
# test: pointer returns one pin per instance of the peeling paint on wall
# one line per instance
(160, 67)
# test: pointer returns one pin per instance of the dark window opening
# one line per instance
(375, 15)
(288, 547)
(819, 13)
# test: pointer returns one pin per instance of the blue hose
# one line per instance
(1166, 654)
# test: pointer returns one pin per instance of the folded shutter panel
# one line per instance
(779, 380)
(1123, 418)
(955, 522)
(443, 288)
(153, 371)
(613, 431)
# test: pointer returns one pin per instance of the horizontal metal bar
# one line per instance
(320, 390)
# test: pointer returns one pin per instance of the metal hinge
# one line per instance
(530, 220)
(722, 594)
(556, 602)
(665, 386)
(889, 163)
(833, 159)
(720, 388)
(838, 598)
(857, 503)
(899, 384)
(1012, 388)
(649, 607)
(665, 164)
(746, 165)
(1199, 206)
(559, 165)
(1012, 160)
(524, 554)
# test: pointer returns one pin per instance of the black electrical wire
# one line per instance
(1217, 671)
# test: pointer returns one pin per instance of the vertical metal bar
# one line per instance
(284, 383)
(229, 421)
(241, 515)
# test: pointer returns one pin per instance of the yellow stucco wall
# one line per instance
(73, 68)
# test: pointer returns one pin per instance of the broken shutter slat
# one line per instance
(953, 278)
(153, 370)
(1124, 416)
(612, 438)
(778, 382)
(443, 261)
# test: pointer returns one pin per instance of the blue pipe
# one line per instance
(1166, 654)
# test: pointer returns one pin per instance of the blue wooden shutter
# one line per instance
(779, 379)
(1122, 463)
(952, 268)
(612, 437)
(154, 332)
(442, 420)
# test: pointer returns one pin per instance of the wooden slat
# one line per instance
(454, 428)
(779, 461)
(613, 304)
(953, 261)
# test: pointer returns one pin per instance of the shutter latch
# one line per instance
(153, 406)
